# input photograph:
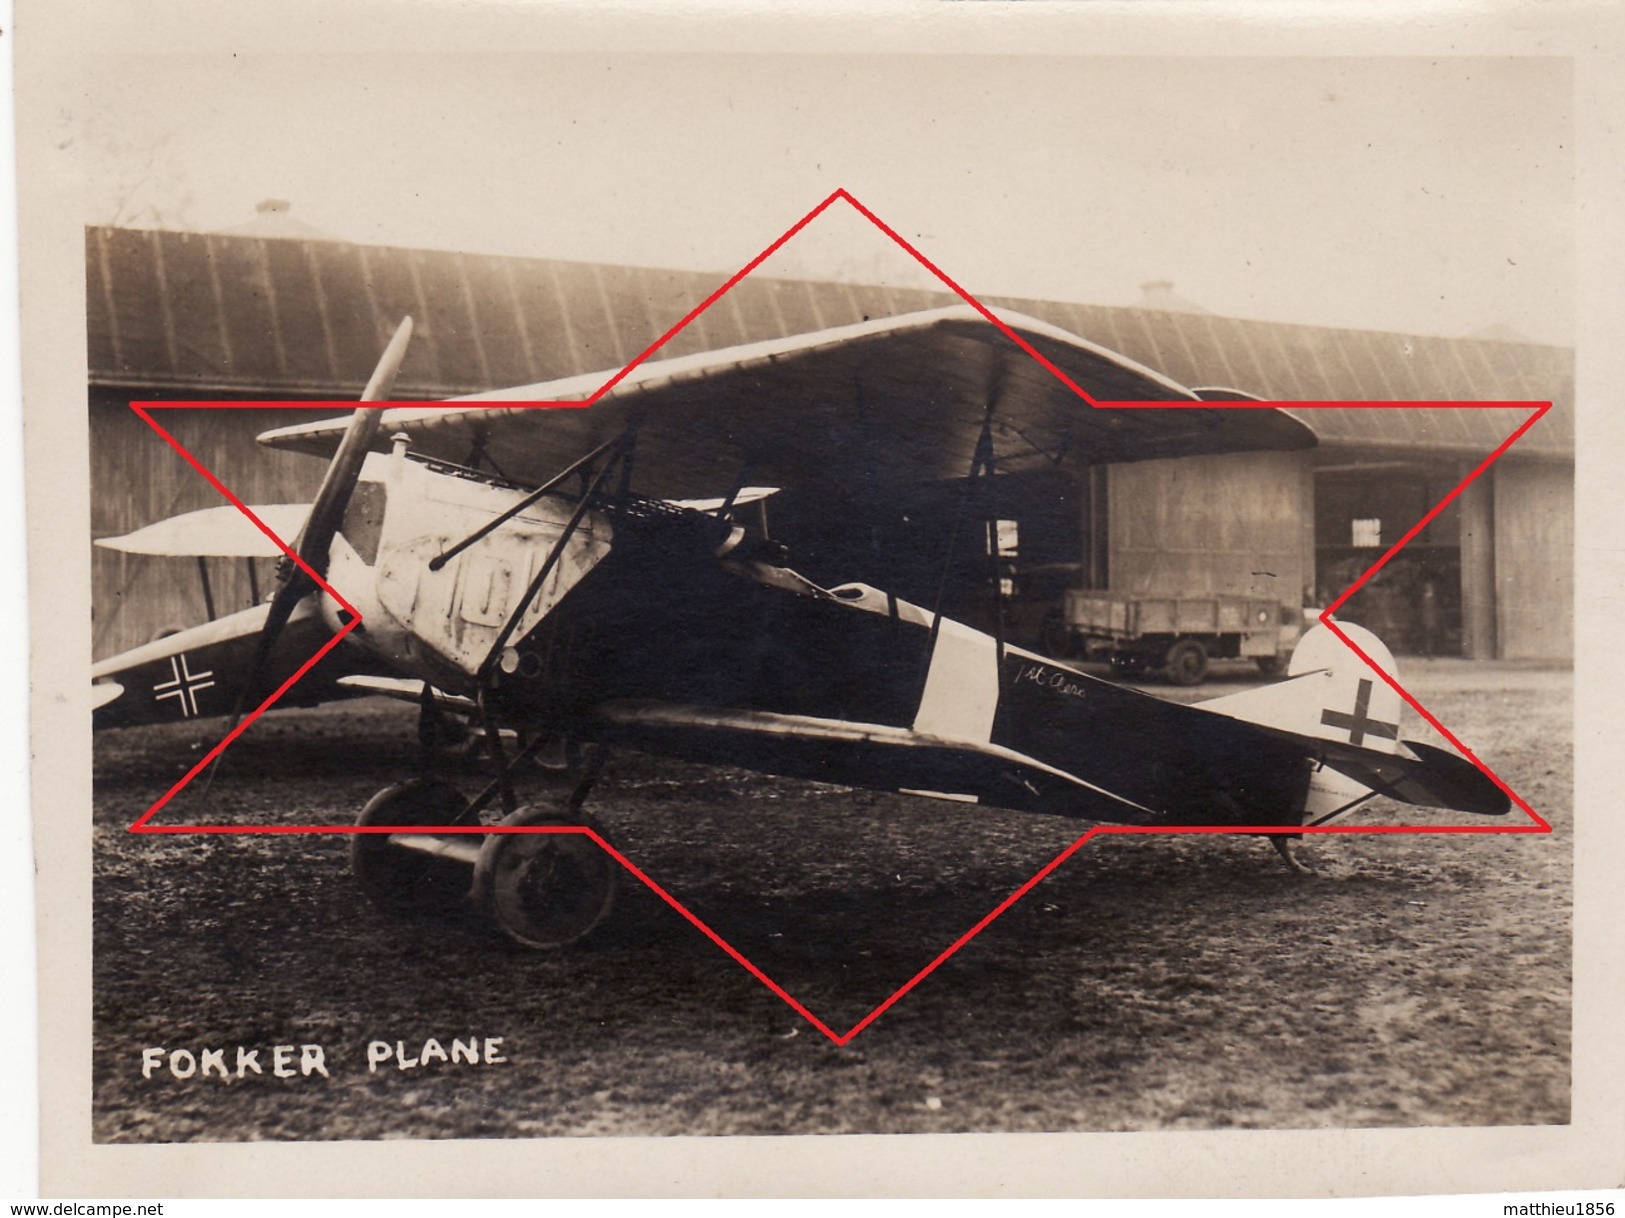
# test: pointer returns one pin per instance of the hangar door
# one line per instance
(1363, 505)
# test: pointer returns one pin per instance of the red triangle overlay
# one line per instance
(1537, 824)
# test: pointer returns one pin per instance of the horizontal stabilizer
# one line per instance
(104, 693)
(1435, 779)
(218, 532)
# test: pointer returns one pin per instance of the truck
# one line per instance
(1176, 634)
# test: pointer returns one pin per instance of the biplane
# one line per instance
(607, 577)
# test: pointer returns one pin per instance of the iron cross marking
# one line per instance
(1359, 725)
(183, 686)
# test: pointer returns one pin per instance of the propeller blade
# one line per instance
(326, 514)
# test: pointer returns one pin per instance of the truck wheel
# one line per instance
(1186, 662)
(1268, 665)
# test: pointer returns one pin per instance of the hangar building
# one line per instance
(251, 317)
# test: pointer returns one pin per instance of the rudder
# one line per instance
(1329, 693)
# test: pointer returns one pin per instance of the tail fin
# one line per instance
(1332, 695)
(1329, 693)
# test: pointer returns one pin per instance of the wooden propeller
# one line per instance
(327, 512)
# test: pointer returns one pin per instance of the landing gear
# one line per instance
(549, 887)
(409, 872)
(546, 883)
(445, 737)
(449, 741)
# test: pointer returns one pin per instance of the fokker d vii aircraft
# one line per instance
(605, 576)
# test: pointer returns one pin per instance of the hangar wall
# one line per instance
(217, 315)
(1534, 560)
(138, 480)
(1238, 524)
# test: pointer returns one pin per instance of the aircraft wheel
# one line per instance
(546, 890)
(1186, 662)
(399, 880)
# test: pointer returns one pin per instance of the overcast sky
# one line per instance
(1428, 196)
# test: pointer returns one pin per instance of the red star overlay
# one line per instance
(1536, 411)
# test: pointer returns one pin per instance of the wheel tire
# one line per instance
(405, 881)
(1270, 666)
(1186, 662)
(546, 890)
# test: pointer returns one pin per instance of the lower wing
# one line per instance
(862, 755)
(902, 759)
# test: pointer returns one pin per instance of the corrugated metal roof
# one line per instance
(199, 314)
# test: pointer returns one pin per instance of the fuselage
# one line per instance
(670, 629)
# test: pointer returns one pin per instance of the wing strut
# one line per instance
(726, 507)
(981, 467)
(208, 590)
(991, 533)
(619, 454)
(492, 525)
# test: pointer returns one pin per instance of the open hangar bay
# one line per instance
(1150, 983)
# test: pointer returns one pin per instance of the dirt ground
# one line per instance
(1149, 983)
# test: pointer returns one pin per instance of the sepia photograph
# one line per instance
(843, 579)
(701, 594)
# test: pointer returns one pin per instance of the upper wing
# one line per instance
(901, 398)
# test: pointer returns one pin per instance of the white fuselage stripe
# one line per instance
(962, 687)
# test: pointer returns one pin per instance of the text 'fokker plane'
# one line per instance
(614, 585)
